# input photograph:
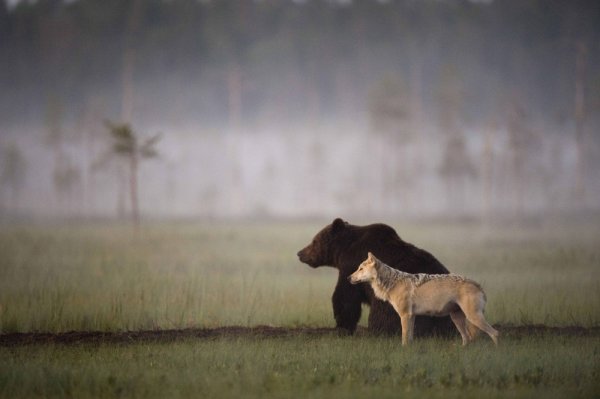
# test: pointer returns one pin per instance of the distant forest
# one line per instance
(299, 108)
(238, 63)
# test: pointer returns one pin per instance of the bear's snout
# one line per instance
(305, 256)
(302, 255)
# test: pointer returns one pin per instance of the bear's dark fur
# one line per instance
(345, 246)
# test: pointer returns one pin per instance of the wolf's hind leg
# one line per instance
(479, 320)
(460, 321)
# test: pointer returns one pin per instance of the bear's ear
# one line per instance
(338, 225)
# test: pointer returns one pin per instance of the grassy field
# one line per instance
(103, 278)
(328, 366)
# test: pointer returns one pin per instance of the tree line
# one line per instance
(247, 62)
(415, 72)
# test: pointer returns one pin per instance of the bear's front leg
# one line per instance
(346, 301)
(383, 319)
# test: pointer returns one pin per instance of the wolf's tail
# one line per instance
(472, 329)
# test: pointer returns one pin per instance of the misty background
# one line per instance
(299, 109)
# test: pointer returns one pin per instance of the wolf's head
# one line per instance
(366, 272)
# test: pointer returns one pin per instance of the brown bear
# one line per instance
(345, 246)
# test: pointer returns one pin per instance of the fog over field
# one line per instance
(300, 109)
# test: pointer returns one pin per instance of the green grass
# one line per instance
(105, 279)
(59, 278)
(539, 366)
(173, 276)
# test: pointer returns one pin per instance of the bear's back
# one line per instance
(383, 241)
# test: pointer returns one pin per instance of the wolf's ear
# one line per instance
(375, 261)
(338, 225)
(370, 256)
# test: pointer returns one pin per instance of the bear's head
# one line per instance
(320, 252)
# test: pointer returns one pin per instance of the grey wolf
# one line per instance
(427, 294)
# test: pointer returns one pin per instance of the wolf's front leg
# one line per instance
(407, 321)
(411, 327)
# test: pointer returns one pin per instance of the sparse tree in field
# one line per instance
(129, 57)
(580, 111)
(487, 171)
(522, 141)
(66, 179)
(65, 175)
(389, 111)
(12, 173)
(456, 168)
(389, 107)
(54, 136)
(90, 130)
(127, 145)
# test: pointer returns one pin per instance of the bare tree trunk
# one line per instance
(383, 174)
(121, 190)
(129, 62)
(313, 98)
(127, 95)
(516, 181)
(416, 91)
(128, 100)
(580, 72)
(234, 94)
(133, 187)
(416, 124)
(487, 174)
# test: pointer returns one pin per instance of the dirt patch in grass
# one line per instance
(99, 337)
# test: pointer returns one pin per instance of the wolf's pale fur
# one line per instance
(427, 294)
